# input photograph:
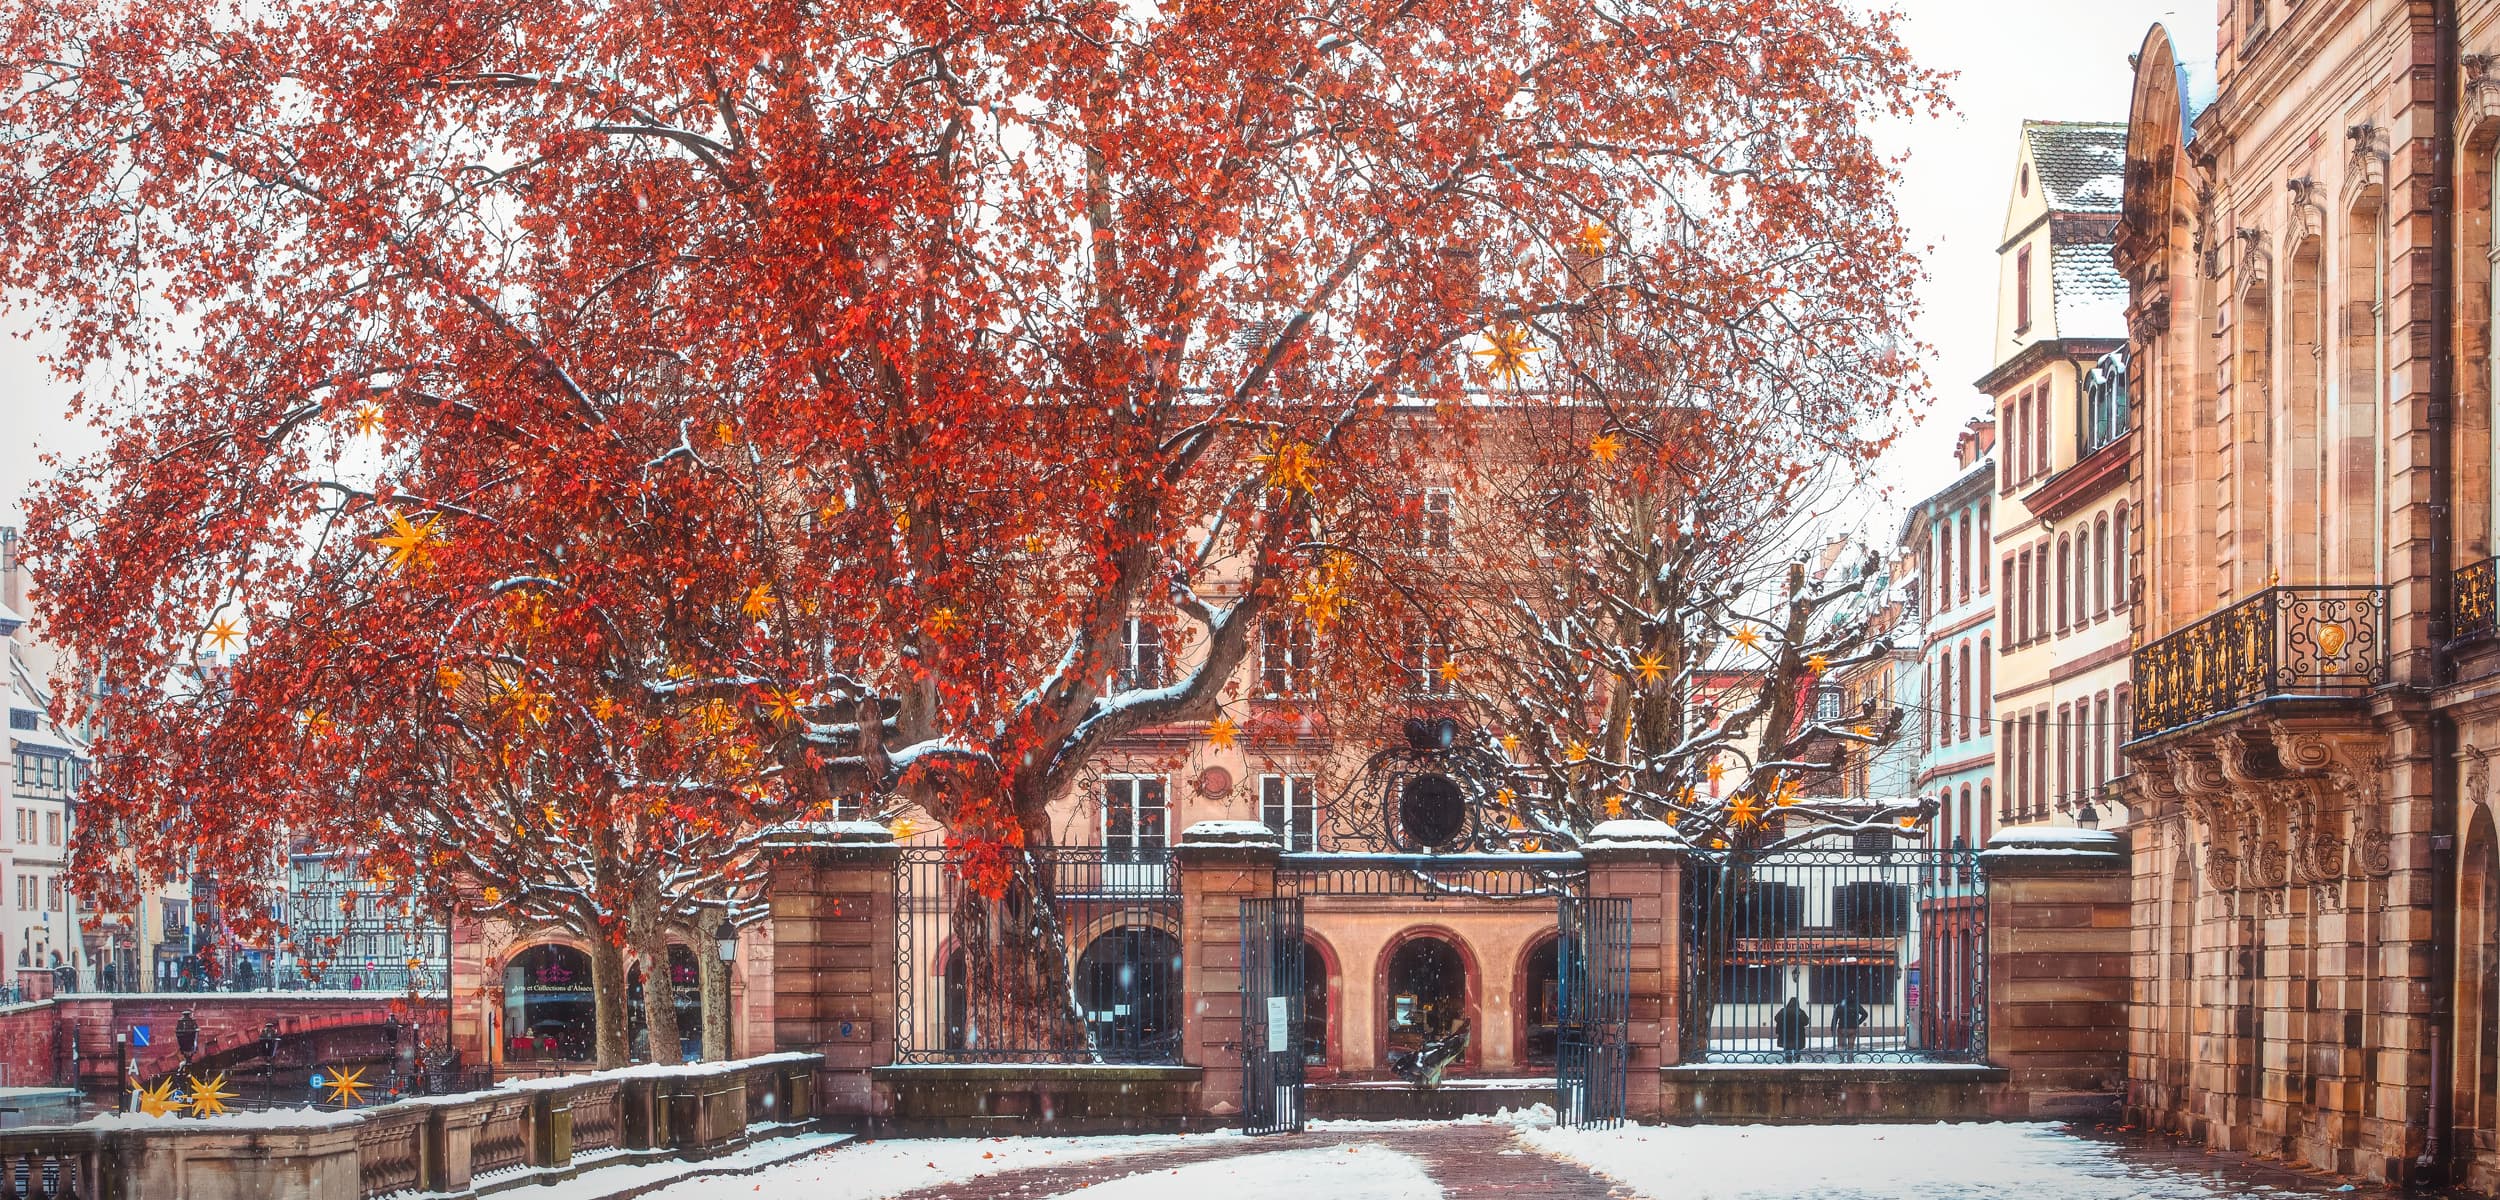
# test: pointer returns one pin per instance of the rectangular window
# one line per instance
(1433, 529)
(1829, 704)
(1136, 818)
(1425, 657)
(2065, 747)
(52, 892)
(1141, 654)
(1289, 804)
(1285, 657)
(22, 718)
(52, 828)
(2022, 289)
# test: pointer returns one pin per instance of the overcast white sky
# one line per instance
(2016, 59)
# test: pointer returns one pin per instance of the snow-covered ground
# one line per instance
(1425, 1160)
(1877, 1162)
(1369, 1172)
(866, 1170)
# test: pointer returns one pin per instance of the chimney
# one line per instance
(1976, 440)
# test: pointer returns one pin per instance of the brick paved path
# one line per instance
(1468, 1162)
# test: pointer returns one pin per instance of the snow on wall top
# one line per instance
(2081, 165)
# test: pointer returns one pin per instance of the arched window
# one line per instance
(2065, 574)
(1962, 707)
(1979, 550)
(1987, 703)
(1961, 557)
(2040, 554)
(2021, 601)
(2100, 578)
(2120, 571)
(1944, 698)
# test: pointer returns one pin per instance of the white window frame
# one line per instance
(1137, 634)
(1297, 642)
(1421, 654)
(1294, 799)
(1126, 794)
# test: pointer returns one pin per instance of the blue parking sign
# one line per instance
(138, 1035)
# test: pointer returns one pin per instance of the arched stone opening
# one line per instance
(549, 1008)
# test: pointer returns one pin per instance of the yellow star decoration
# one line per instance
(1863, 730)
(944, 621)
(1032, 543)
(1506, 353)
(1651, 667)
(1288, 465)
(1516, 822)
(1606, 447)
(782, 705)
(1614, 806)
(602, 708)
(1576, 751)
(1510, 743)
(1743, 811)
(1222, 733)
(449, 678)
(159, 1100)
(758, 599)
(1817, 663)
(1448, 672)
(901, 828)
(317, 722)
(1787, 793)
(209, 1099)
(1748, 637)
(1716, 771)
(368, 419)
(1591, 240)
(223, 634)
(1909, 822)
(347, 1086)
(408, 543)
(491, 894)
(1504, 797)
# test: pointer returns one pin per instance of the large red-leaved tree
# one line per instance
(619, 425)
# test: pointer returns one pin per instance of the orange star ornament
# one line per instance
(1507, 352)
(1222, 733)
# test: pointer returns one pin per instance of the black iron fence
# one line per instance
(2282, 641)
(1546, 876)
(1836, 955)
(1074, 956)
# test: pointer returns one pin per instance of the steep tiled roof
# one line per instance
(2090, 294)
(2080, 165)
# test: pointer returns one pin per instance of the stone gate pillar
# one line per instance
(1221, 864)
(1643, 861)
(831, 889)
(2059, 941)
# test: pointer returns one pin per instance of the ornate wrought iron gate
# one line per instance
(1593, 960)
(1271, 1015)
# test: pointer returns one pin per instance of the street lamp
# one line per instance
(725, 936)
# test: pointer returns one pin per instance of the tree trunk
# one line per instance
(1016, 978)
(715, 978)
(659, 996)
(607, 992)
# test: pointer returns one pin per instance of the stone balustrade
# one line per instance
(524, 1132)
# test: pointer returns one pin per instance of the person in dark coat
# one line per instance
(1849, 1017)
(1788, 1027)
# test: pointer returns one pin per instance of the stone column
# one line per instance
(1221, 864)
(833, 942)
(2059, 932)
(1643, 862)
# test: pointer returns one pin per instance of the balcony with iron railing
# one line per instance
(2474, 601)
(2283, 643)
